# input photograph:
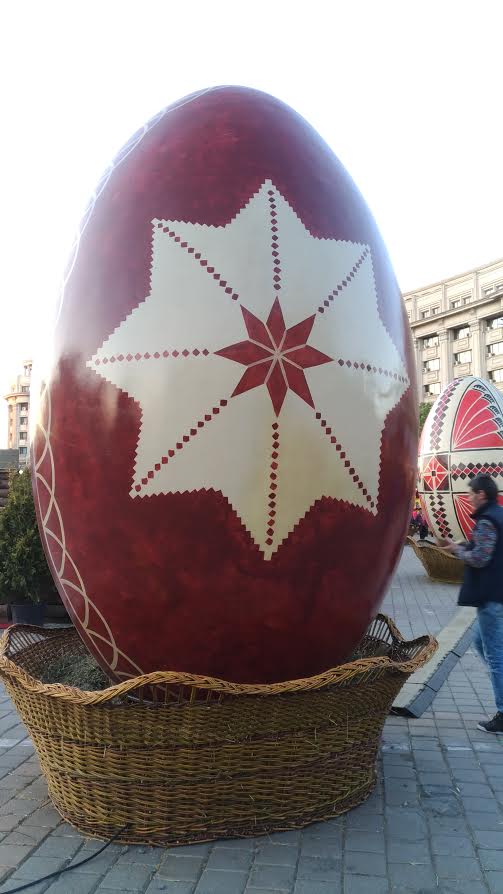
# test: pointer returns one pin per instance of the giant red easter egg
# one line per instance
(462, 437)
(227, 442)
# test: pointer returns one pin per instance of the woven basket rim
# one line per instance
(420, 545)
(426, 645)
(439, 565)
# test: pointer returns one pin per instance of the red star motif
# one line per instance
(275, 356)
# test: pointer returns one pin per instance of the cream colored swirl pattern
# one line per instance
(64, 568)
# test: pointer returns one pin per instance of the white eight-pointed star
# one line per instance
(261, 366)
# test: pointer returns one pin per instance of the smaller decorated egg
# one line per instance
(462, 437)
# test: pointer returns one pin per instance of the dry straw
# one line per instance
(179, 758)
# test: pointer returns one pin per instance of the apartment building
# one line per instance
(18, 410)
(457, 328)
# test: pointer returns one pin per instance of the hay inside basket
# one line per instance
(439, 565)
(207, 759)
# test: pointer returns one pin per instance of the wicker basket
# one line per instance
(439, 565)
(207, 759)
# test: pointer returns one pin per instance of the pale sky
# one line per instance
(407, 94)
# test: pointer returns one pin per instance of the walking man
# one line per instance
(482, 585)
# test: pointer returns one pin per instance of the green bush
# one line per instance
(424, 409)
(24, 572)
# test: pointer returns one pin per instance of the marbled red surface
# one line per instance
(177, 578)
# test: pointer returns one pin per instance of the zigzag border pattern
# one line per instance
(440, 414)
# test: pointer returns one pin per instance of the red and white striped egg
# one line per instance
(462, 436)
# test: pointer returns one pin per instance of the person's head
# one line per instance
(483, 489)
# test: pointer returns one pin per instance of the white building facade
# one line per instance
(18, 400)
(457, 327)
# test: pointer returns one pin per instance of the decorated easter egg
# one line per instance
(227, 445)
(462, 437)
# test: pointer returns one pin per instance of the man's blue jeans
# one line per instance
(488, 641)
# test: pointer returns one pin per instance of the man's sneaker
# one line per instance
(492, 726)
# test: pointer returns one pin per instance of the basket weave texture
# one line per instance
(439, 565)
(173, 758)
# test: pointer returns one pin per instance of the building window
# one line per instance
(433, 389)
(23, 408)
(425, 313)
(431, 365)
(495, 323)
(431, 342)
(435, 310)
(496, 375)
(496, 348)
(23, 420)
(464, 332)
(22, 436)
(463, 357)
(458, 302)
(22, 451)
(25, 389)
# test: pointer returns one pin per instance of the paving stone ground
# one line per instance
(433, 825)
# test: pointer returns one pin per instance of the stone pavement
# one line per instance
(434, 824)
(417, 604)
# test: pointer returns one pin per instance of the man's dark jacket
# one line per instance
(482, 585)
